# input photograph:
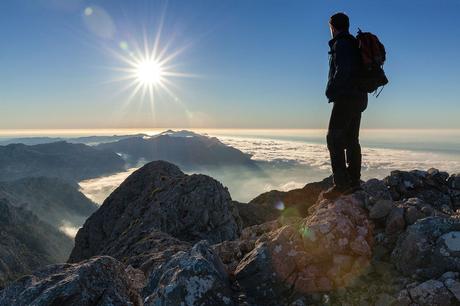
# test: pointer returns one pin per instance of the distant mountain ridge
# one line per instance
(65, 160)
(88, 140)
(187, 149)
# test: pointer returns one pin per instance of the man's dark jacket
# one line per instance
(344, 65)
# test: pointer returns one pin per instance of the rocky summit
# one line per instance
(167, 238)
(159, 196)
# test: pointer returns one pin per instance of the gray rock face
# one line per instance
(431, 292)
(196, 277)
(429, 248)
(159, 197)
(99, 281)
(145, 250)
(26, 243)
(442, 291)
(430, 186)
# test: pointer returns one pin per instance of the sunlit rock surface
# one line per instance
(324, 251)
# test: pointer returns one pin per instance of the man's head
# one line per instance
(339, 22)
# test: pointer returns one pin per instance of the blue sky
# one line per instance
(256, 63)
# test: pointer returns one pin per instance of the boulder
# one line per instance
(196, 277)
(430, 186)
(99, 281)
(326, 250)
(429, 248)
(160, 197)
(431, 293)
(442, 291)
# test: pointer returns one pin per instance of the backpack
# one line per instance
(373, 55)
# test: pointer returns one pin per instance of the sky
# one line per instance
(234, 63)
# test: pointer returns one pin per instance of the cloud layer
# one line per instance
(291, 164)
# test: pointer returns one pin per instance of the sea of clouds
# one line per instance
(292, 164)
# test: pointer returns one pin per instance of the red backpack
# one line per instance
(373, 56)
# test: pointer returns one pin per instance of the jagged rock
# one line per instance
(232, 252)
(296, 201)
(428, 248)
(444, 291)
(27, 243)
(431, 293)
(145, 250)
(327, 250)
(160, 197)
(196, 277)
(430, 186)
(97, 281)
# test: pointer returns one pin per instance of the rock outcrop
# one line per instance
(196, 277)
(326, 250)
(429, 248)
(26, 243)
(98, 281)
(159, 197)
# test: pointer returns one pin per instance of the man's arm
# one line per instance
(343, 60)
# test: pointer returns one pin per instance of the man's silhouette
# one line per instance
(348, 104)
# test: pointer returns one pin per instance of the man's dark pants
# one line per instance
(343, 144)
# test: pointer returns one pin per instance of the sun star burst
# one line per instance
(148, 70)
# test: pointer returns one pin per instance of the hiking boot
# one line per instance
(334, 192)
(353, 188)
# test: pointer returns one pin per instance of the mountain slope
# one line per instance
(26, 243)
(59, 159)
(53, 200)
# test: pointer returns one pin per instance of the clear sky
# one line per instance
(250, 64)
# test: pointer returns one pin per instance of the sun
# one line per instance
(149, 72)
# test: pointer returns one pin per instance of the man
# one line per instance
(348, 104)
